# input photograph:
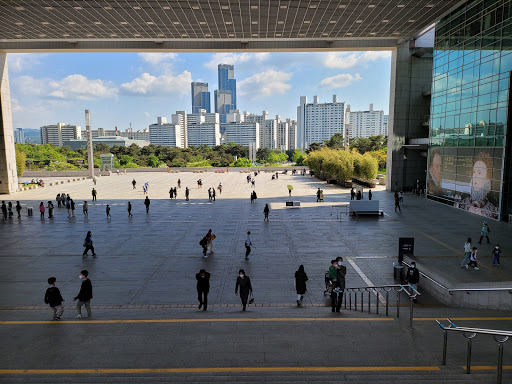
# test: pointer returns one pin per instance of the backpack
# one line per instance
(203, 241)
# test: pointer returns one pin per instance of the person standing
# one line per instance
(146, 203)
(68, 207)
(171, 193)
(213, 194)
(54, 299)
(359, 195)
(72, 202)
(179, 183)
(209, 194)
(85, 295)
(107, 210)
(352, 194)
(248, 244)
(472, 259)
(50, 210)
(4, 210)
(341, 272)
(484, 233)
(203, 287)
(266, 210)
(204, 244)
(41, 210)
(397, 202)
(220, 188)
(300, 284)
(175, 193)
(496, 255)
(244, 283)
(134, 183)
(88, 245)
(18, 209)
(94, 194)
(370, 194)
(401, 197)
(253, 183)
(412, 278)
(57, 198)
(187, 193)
(318, 195)
(130, 209)
(467, 253)
(252, 197)
(9, 210)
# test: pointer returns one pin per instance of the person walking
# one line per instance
(412, 278)
(318, 195)
(359, 195)
(213, 194)
(10, 212)
(88, 245)
(204, 244)
(397, 202)
(370, 194)
(85, 208)
(134, 183)
(496, 255)
(248, 244)
(4, 210)
(107, 210)
(130, 209)
(244, 283)
(171, 193)
(203, 287)
(220, 188)
(300, 284)
(467, 253)
(85, 295)
(179, 183)
(146, 203)
(210, 237)
(253, 183)
(187, 193)
(18, 209)
(175, 193)
(72, 202)
(54, 299)
(57, 199)
(339, 286)
(209, 194)
(401, 197)
(266, 210)
(68, 207)
(352, 194)
(484, 233)
(94, 194)
(50, 210)
(252, 197)
(41, 210)
(472, 259)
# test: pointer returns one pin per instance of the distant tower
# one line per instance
(225, 96)
(200, 97)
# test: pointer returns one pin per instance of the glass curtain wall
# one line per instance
(469, 109)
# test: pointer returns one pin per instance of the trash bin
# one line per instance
(398, 271)
(30, 211)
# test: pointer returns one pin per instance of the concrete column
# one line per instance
(8, 174)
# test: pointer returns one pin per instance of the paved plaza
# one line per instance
(145, 275)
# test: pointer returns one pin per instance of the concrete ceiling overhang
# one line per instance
(213, 25)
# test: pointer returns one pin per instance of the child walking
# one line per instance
(54, 299)
(496, 255)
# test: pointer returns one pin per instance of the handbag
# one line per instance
(251, 300)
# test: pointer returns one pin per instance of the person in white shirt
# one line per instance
(247, 245)
(467, 252)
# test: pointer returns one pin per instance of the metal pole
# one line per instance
(90, 153)
(377, 303)
(398, 304)
(362, 301)
(468, 359)
(500, 362)
(369, 297)
(345, 298)
(411, 310)
(350, 300)
(445, 345)
(355, 301)
(387, 303)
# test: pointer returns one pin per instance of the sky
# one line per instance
(135, 88)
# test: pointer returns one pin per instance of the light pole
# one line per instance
(89, 143)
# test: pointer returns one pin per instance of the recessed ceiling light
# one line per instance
(136, 34)
(43, 35)
(307, 21)
(20, 9)
(231, 35)
(89, 35)
(66, 35)
(349, 33)
(19, 35)
(150, 22)
(166, 7)
(19, 23)
(48, 8)
(184, 35)
(280, 22)
(195, 7)
(372, 33)
(202, 22)
(45, 23)
(325, 34)
(113, 35)
(161, 35)
(176, 22)
(371, 5)
(207, 35)
(332, 22)
(136, 7)
(254, 7)
(229, 22)
(395, 33)
(71, 22)
(342, 6)
(429, 5)
(302, 34)
(283, 6)
(385, 21)
(254, 22)
(108, 8)
(124, 22)
(312, 6)
(225, 6)
(97, 22)
(411, 21)
(278, 34)
(78, 7)
(401, 5)
(254, 35)
(359, 21)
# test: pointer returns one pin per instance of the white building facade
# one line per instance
(283, 134)
(365, 123)
(19, 136)
(203, 134)
(242, 133)
(166, 134)
(317, 122)
(57, 134)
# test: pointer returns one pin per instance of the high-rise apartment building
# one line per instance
(364, 123)
(200, 97)
(242, 133)
(57, 134)
(317, 122)
(164, 133)
(268, 129)
(292, 134)
(203, 134)
(385, 125)
(180, 118)
(225, 96)
(283, 134)
(19, 136)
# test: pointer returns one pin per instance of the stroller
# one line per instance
(328, 284)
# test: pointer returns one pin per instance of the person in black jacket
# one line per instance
(54, 299)
(85, 295)
(203, 287)
(413, 277)
(300, 284)
(337, 292)
(146, 203)
(244, 283)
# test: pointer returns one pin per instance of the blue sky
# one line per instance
(124, 88)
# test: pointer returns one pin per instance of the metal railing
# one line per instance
(467, 290)
(469, 333)
(397, 288)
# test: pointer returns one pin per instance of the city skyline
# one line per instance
(137, 88)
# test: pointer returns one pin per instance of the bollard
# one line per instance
(500, 362)
(411, 309)
(369, 297)
(398, 304)
(468, 358)
(362, 301)
(355, 301)
(387, 303)
(350, 300)
(445, 345)
(377, 303)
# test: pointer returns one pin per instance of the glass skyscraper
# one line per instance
(225, 98)
(470, 156)
(200, 97)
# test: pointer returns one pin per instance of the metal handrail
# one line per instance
(469, 334)
(467, 290)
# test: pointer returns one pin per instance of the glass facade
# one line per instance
(469, 157)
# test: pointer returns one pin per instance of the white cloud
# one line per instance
(235, 58)
(27, 85)
(81, 88)
(147, 84)
(340, 81)
(265, 84)
(18, 62)
(342, 60)
(15, 106)
(157, 58)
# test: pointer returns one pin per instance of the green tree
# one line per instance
(241, 162)
(21, 161)
(336, 141)
(153, 161)
(262, 154)
(314, 147)
(102, 147)
(125, 159)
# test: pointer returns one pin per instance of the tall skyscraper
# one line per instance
(19, 136)
(200, 97)
(225, 96)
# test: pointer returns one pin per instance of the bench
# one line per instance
(365, 207)
(293, 203)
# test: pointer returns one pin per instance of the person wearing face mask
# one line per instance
(496, 255)
(85, 295)
(203, 287)
(337, 293)
(244, 282)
